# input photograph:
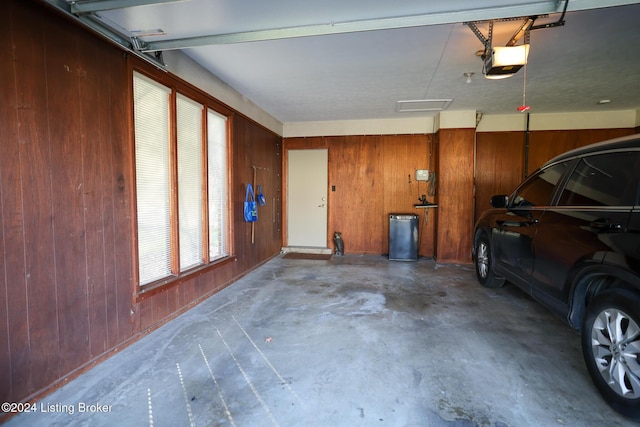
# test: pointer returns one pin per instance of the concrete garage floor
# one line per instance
(355, 341)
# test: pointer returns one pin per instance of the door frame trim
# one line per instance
(285, 187)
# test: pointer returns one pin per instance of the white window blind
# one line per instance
(217, 184)
(152, 157)
(181, 177)
(190, 140)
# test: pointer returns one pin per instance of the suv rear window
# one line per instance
(603, 180)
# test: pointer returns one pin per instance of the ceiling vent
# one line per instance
(417, 105)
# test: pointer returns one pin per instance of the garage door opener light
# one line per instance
(500, 62)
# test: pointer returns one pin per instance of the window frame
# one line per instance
(207, 102)
(515, 200)
(587, 159)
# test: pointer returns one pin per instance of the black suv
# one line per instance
(570, 237)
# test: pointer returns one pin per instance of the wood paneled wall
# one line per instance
(261, 150)
(65, 269)
(455, 195)
(500, 157)
(356, 208)
(544, 145)
(402, 155)
(66, 238)
(373, 176)
(499, 166)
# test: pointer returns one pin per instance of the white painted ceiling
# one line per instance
(363, 74)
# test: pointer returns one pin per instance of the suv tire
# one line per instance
(611, 348)
(484, 263)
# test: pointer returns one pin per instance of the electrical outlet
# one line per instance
(422, 175)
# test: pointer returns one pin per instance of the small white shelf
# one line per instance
(426, 212)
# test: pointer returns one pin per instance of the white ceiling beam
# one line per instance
(92, 6)
(499, 12)
(353, 26)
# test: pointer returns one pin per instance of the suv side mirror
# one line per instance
(500, 201)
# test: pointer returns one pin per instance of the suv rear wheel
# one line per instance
(611, 349)
(484, 263)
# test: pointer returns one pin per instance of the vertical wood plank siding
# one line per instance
(543, 145)
(455, 195)
(499, 166)
(373, 176)
(66, 261)
(500, 157)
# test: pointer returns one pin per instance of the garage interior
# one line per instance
(353, 340)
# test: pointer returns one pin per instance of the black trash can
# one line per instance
(403, 237)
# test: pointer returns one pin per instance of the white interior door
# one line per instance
(307, 197)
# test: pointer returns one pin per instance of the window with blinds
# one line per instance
(153, 184)
(217, 184)
(189, 130)
(185, 228)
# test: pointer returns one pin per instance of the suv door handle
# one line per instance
(529, 223)
(603, 225)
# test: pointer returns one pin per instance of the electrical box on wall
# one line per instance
(422, 175)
